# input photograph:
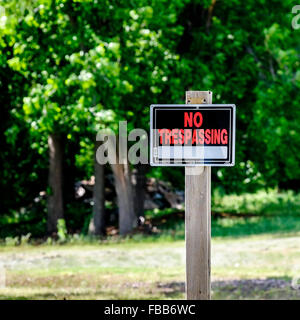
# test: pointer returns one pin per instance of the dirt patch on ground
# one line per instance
(242, 289)
(96, 287)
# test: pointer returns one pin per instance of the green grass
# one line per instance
(263, 202)
(254, 256)
(231, 227)
(251, 267)
(247, 263)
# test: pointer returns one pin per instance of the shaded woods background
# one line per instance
(69, 68)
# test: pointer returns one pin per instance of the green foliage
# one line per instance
(62, 230)
(73, 67)
(233, 216)
(24, 221)
(77, 216)
(11, 241)
(248, 54)
(24, 240)
(260, 203)
(277, 107)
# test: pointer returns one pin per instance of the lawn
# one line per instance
(255, 255)
(243, 267)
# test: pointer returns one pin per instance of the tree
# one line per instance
(68, 83)
(55, 196)
(276, 112)
(97, 223)
(147, 39)
(70, 68)
(241, 56)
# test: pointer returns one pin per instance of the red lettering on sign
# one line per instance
(195, 140)
(224, 136)
(201, 136)
(175, 136)
(161, 132)
(217, 136)
(198, 123)
(181, 134)
(191, 120)
(188, 119)
(192, 136)
(207, 136)
(187, 135)
(167, 137)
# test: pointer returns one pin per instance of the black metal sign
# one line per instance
(192, 135)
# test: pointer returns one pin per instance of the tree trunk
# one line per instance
(139, 185)
(97, 223)
(55, 198)
(124, 190)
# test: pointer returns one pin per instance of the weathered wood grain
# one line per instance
(198, 220)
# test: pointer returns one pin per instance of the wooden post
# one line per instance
(198, 219)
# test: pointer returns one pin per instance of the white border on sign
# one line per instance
(192, 163)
